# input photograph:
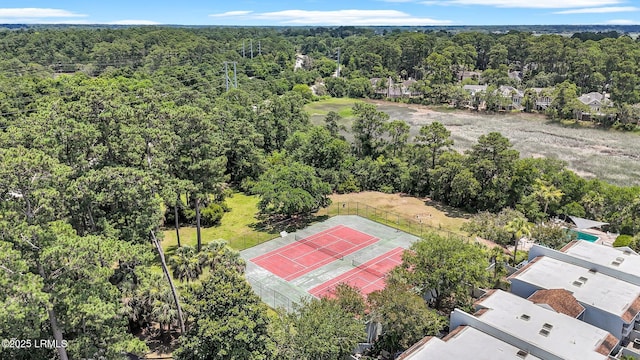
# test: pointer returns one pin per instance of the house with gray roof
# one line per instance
(505, 326)
(513, 94)
(611, 302)
(595, 101)
(392, 89)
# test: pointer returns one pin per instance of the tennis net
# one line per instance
(368, 269)
(319, 247)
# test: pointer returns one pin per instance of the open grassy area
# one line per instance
(318, 110)
(237, 227)
(404, 212)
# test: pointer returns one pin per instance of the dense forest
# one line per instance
(109, 135)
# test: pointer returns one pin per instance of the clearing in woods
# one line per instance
(432, 213)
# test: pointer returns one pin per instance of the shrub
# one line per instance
(212, 214)
(169, 215)
(623, 240)
(304, 91)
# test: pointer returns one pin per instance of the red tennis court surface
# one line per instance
(368, 277)
(300, 257)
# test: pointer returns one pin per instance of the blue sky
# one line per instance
(323, 12)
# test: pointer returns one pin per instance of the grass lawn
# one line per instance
(237, 227)
(319, 109)
(411, 210)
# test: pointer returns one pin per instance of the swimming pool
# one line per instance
(585, 236)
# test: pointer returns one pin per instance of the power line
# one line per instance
(226, 74)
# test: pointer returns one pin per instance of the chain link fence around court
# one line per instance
(274, 298)
(415, 226)
(418, 225)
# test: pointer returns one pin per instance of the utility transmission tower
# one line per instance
(259, 48)
(227, 80)
(243, 49)
(251, 47)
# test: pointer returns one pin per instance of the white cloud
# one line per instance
(436, 3)
(398, 1)
(133, 22)
(338, 17)
(232, 13)
(537, 4)
(600, 10)
(622, 22)
(29, 13)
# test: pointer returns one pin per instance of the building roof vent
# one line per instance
(544, 332)
(525, 317)
(522, 354)
(577, 283)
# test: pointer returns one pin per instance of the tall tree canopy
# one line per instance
(445, 270)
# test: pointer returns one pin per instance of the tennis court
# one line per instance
(309, 253)
(368, 277)
(312, 261)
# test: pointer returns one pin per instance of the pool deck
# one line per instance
(605, 238)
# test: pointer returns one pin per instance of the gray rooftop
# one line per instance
(620, 263)
(564, 336)
(624, 260)
(591, 97)
(582, 223)
(592, 288)
(465, 343)
(475, 88)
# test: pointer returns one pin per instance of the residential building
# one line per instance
(513, 94)
(610, 303)
(475, 93)
(466, 74)
(621, 263)
(506, 326)
(392, 89)
(474, 89)
(515, 75)
(595, 101)
(543, 98)
(537, 329)
(465, 342)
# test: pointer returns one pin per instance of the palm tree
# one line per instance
(163, 312)
(547, 193)
(518, 227)
(185, 264)
(165, 269)
(217, 253)
(497, 255)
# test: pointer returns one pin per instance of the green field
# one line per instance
(237, 227)
(319, 109)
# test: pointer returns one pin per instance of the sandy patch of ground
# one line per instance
(421, 209)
